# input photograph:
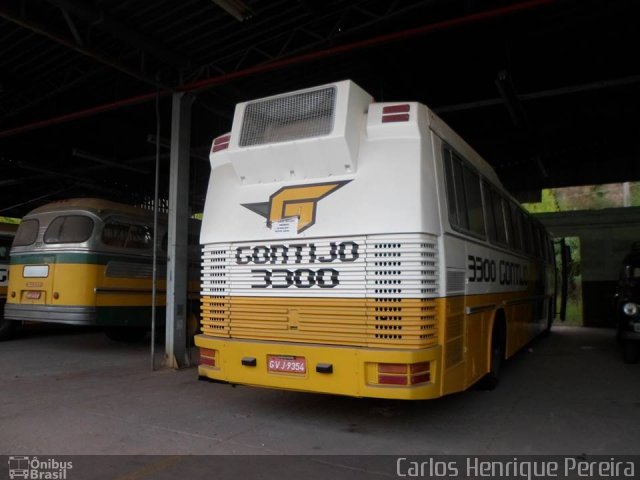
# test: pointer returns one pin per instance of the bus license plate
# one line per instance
(286, 364)
(33, 295)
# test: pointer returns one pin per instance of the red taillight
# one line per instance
(419, 367)
(404, 108)
(392, 368)
(221, 143)
(207, 357)
(396, 113)
(420, 378)
(392, 379)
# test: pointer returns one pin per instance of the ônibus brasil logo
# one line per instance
(38, 469)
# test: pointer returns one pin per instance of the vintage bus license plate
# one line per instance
(33, 295)
(286, 364)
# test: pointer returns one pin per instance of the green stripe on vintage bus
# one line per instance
(86, 258)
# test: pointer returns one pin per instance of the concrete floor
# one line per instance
(65, 392)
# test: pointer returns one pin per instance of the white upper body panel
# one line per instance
(373, 172)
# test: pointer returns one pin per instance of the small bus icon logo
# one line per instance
(18, 467)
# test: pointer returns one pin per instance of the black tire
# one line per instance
(630, 351)
(126, 334)
(492, 378)
(7, 327)
(193, 325)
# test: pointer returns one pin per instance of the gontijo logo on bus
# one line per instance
(295, 201)
(292, 254)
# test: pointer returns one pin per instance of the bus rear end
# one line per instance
(7, 232)
(320, 241)
(51, 276)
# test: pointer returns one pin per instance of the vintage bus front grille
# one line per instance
(387, 299)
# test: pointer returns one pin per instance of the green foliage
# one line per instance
(9, 220)
(548, 203)
(589, 197)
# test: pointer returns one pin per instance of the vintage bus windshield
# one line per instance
(27, 233)
(69, 229)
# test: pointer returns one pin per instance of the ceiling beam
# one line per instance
(152, 139)
(116, 27)
(39, 28)
(206, 83)
(555, 92)
(76, 152)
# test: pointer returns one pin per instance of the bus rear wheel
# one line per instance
(491, 379)
(7, 329)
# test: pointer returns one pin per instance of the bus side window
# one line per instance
(509, 223)
(140, 237)
(464, 196)
(498, 217)
(115, 234)
(539, 242)
(461, 201)
(450, 188)
(528, 235)
(489, 213)
(516, 218)
(474, 201)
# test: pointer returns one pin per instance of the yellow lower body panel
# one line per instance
(404, 374)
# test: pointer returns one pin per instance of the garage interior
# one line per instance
(547, 91)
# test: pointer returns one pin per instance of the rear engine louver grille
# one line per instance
(387, 298)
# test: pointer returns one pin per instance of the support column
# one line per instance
(176, 355)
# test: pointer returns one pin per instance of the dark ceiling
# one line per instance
(548, 91)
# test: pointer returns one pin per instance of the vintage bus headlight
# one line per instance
(630, 309)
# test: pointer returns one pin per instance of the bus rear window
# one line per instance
(69, 229)
(27, 233)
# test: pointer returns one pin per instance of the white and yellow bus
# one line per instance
(364, 249)
(7, 232)
(88, 261)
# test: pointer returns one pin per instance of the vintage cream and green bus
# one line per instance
(7, 232)
(364, 249)
(88, 261)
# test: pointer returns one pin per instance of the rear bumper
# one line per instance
(354, 371)
(50, 314)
